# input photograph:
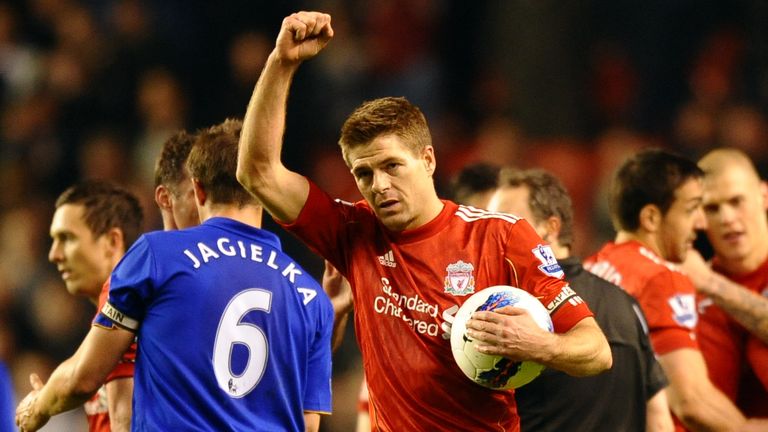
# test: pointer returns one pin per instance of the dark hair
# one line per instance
(649, 177)
(106, 206)
(384, 116)
(472, 179)
(169, 168)
(547, 197)
(213, 162)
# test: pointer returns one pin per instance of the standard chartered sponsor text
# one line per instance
(403, 307)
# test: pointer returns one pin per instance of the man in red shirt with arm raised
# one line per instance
(409, 256)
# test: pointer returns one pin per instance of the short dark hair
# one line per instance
(169, 168)
(384, 116)
(213, 162)
(473, 178)
(106, 206)
(651, 176)
(547, 197)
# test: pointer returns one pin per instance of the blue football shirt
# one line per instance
(232, 333)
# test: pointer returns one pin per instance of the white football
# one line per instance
(493, 371)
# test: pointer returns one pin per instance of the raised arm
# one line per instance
(259, 169)
(743, 305)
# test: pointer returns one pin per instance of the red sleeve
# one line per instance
(669, 303)
(321, 225)
(536, 270)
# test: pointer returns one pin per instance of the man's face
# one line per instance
(678, 226)
(84, 261)
(183, 206)
(515, 200)
(735, 208)
(396, 183)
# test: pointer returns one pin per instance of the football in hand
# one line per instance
(494, 371)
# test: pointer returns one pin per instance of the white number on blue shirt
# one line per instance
(232, 331)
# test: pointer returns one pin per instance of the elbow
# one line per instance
(687, 411)
(254, 177)
(83, 388)
(690, 408)
(244, 176)
(605, 359)
(601, 361)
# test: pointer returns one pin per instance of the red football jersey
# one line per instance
(748, 385)
(406, 287)
(667, 297)
(97, 408)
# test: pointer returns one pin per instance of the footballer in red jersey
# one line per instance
(656, 202)
(733, 331)
(94, 224)
(410, 257)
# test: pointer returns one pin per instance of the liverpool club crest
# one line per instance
(459, 280)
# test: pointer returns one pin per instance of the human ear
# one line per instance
(200, 195)
(163, 197)
(428, 156)
(650, 217)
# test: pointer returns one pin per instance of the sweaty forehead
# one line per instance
(68, 218)
(730, 182)
(381, 149)
(512, 199)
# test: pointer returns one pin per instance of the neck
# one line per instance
(561, 252)
(248, 214)
(432, 210)
(646, 239)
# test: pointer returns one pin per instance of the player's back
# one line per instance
(233, 331)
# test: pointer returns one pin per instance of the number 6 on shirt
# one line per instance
(232, 331)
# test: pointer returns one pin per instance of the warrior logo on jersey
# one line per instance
(684, 309)
(459, 280)
(549, 265)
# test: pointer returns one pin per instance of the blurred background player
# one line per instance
(94, 224)
(400, 243)
(217, 289)
(628, 397)
(656, 207)
(474, 184)
(733, 321)
(174, 194)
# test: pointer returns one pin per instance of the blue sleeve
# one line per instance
(131, 287)
(318, 394)
(7, 401)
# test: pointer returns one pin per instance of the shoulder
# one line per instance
(471, 214)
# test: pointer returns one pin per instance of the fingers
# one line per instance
(330, 270)
(309, 25)
(36, 382)
(497, 315)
